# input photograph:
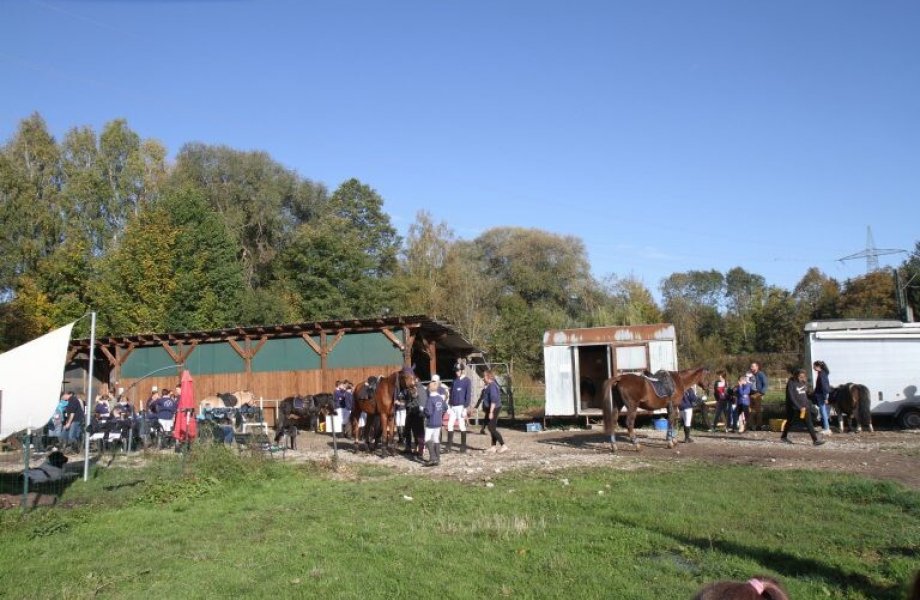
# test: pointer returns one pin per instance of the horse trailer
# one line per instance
(882, 355)
(578, 361)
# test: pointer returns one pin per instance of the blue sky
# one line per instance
(667, 135)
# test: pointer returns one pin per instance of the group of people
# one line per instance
(456, 404)
(421, 417)
(734, 402)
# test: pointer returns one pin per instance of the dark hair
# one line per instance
(823, 366)
(797, 372)
(752, 589)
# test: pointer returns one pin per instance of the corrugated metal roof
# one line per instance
(607, 335)
(845, 324)
(445, 333)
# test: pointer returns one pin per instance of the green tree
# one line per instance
(175, 269)
(817, 295)
(778, 327)
(32, 210)
(261, 202)
(424, 259)
(871, 296)
(910, 280)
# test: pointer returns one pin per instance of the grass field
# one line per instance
(216, 525)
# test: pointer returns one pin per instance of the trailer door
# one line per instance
(560, 381)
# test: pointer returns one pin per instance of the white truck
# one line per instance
(882, 355)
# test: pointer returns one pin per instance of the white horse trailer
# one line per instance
(882, 355)
(576, 363)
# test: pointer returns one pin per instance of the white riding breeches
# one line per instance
(456, 413)
(433, 434)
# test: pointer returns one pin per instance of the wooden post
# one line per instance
(432, 356)
(247, 352)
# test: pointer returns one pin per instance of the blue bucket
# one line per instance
(660, 424)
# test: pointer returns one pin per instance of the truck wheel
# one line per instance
(910, 418)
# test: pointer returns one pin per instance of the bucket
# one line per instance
(660, 424)
(777, 424)
(534, 428)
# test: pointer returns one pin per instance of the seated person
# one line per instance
(102, 409)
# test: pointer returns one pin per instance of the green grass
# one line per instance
(216, 525)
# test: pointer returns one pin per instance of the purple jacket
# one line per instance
(434, 410)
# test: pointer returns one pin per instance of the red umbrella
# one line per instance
(186, 426)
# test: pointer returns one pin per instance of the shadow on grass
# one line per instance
(787, 565)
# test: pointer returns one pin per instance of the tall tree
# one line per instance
(424, 258)
(32, 211)
(341, 264)
(175, 269)
(910, 280)
(261, 202)
(871, 296)
(817, 295)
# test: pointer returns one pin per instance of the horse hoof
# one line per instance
(672, 444)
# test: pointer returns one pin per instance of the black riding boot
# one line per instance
(431, 460)
(463, 442)
(687, 438)
(450, 442)
(437, 453)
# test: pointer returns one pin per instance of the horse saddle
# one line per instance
(369, 389)
(299, 403)
(228, 399)
(662, 383)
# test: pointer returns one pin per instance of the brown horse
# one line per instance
(635, 392)
(852, 400)
(376, 397)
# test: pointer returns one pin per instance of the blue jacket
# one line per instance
(743, 393)
(434, 410)
(493, 397)
(822, 387)
(688, 400)
(759, 384)
(460, 392)
(166, 408)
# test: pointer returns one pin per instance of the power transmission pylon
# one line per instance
(871, 253)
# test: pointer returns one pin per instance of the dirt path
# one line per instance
(885, 455)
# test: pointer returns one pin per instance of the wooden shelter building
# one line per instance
(274, 361)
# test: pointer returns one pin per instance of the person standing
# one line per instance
(758, 379)
(342, 408)
(758, 391)
(415, 420)
(720, 393)
(74, 416)
(797, 407)
(822, 392)
(687, 402)
(435, 406)
(493, 399)
(459, 402)
(743, 406)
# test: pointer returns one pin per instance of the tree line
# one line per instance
(220, 237)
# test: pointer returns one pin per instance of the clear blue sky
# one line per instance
(668, 135)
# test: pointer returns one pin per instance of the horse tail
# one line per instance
(865, 405)
(608, 406)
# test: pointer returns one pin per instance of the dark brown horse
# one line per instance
(636, 391)
(852, 400)
(376, 397)
(301, 412)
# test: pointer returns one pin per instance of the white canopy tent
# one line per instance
(30, 381)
